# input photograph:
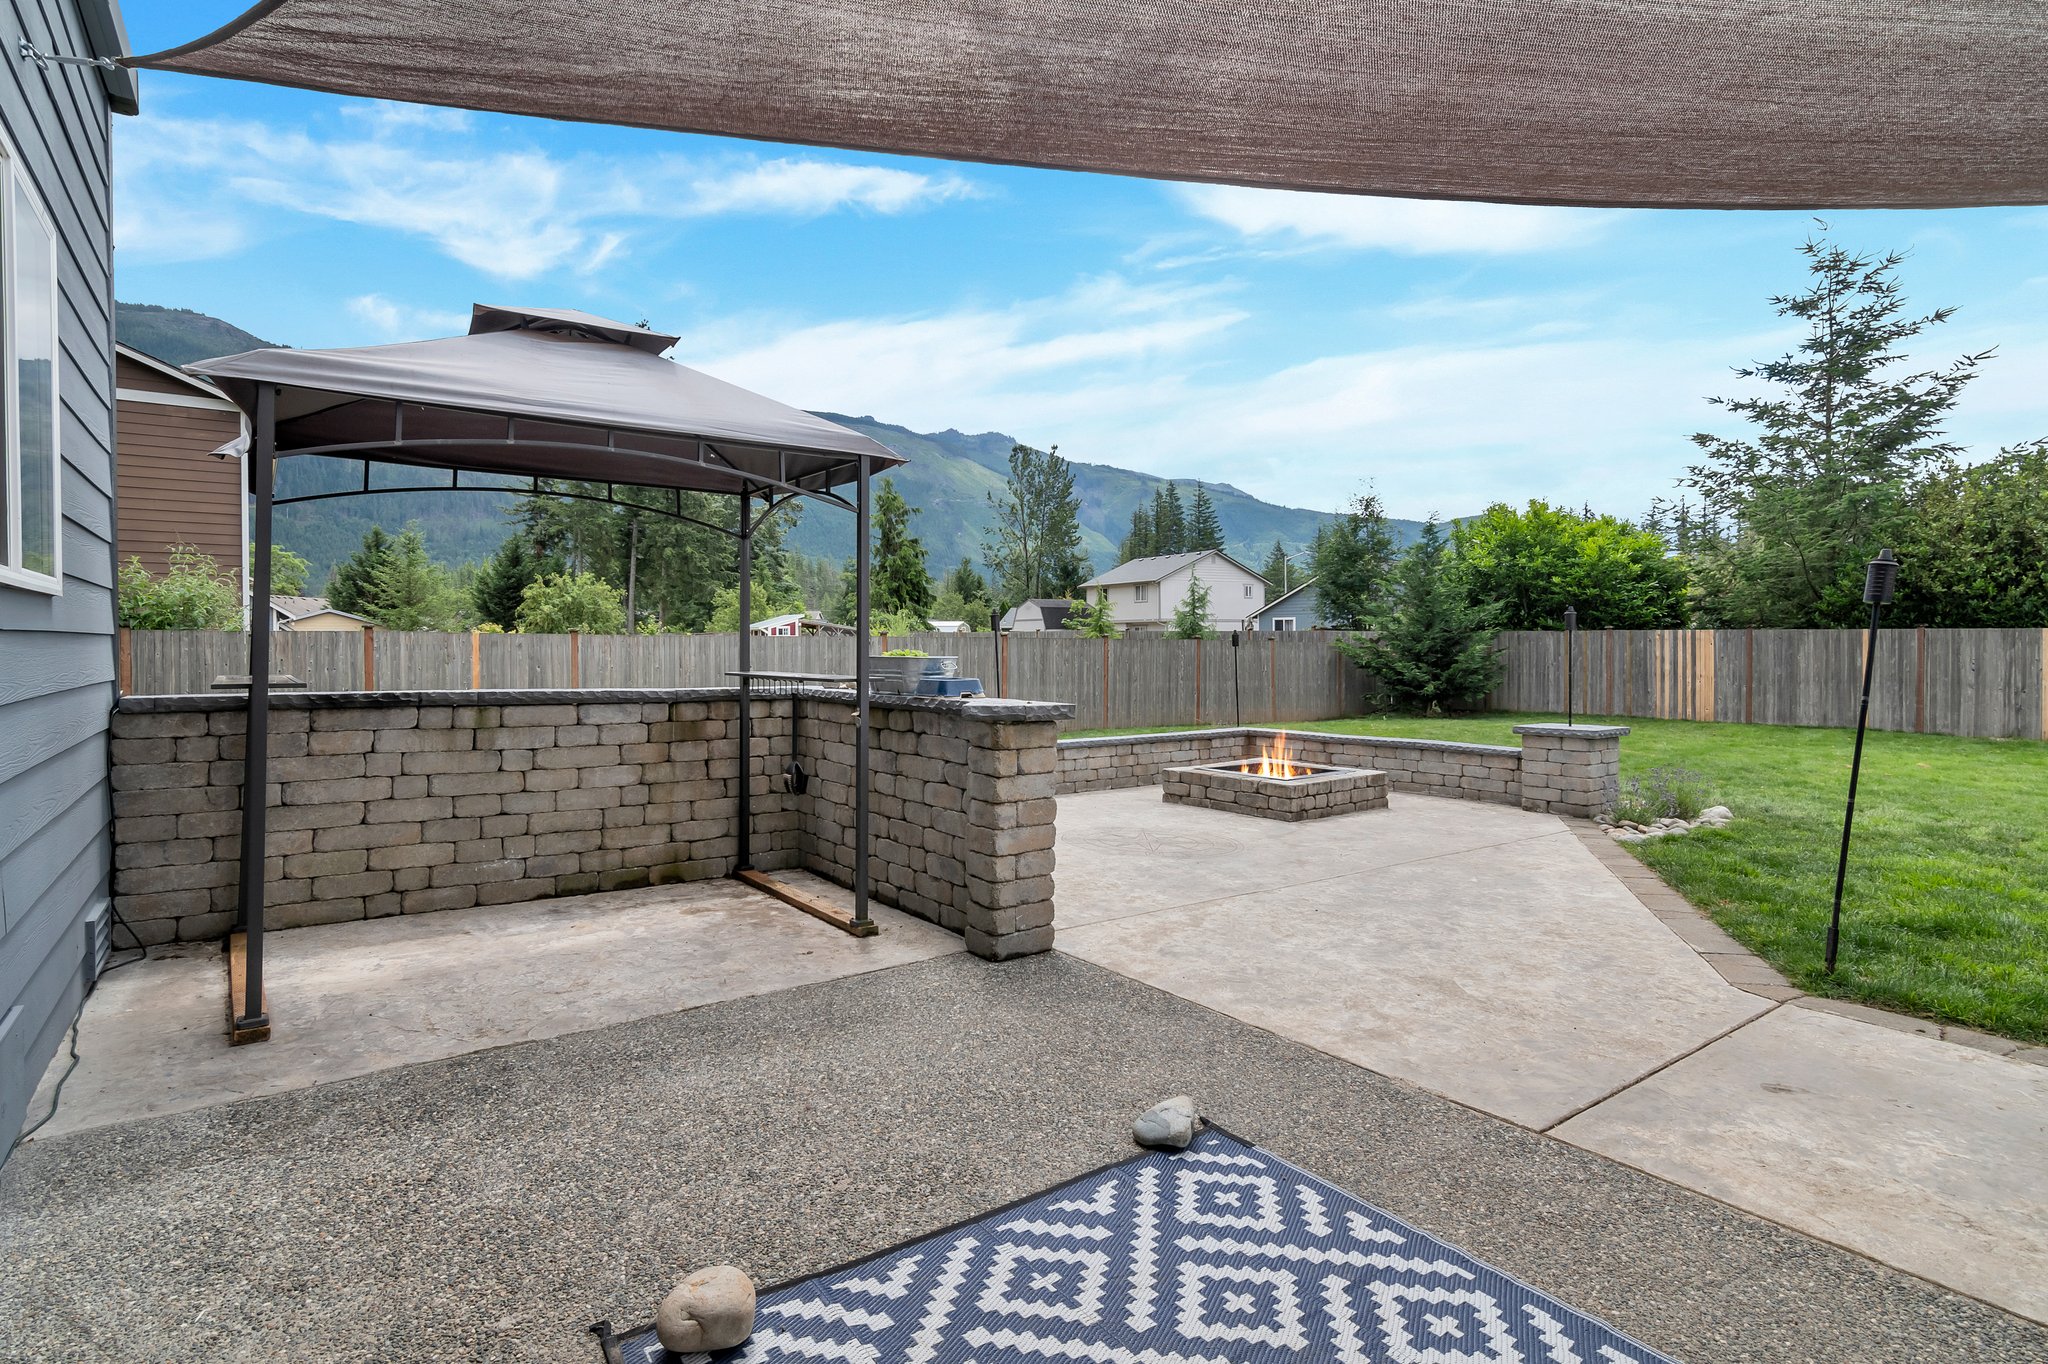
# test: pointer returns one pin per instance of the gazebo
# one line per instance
(535, 395)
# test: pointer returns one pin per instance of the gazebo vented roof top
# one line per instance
(1717, 103)
(547, 393)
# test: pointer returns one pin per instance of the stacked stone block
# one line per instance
(1571, 769)
(1417, 766)
(407, 803)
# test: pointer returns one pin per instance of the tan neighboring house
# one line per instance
(1144, 593)
(312, 613)
(170, 488)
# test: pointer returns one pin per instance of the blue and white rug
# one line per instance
(1220, 1254)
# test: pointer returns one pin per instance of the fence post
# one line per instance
(575, 660)
(1920, 679)
(369, 658)
(1273, 675)
(1199, 651)
(1105, 682)
(476, 660)
(1749, 678)
(124, 663)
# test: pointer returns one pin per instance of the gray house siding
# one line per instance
(1302, 606)
(57, 652)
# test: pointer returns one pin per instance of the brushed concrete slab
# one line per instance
(1476, 951)
(1923, 1154)
(1127, 852)
(350, 999)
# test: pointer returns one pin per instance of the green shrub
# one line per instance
(905, 653)
(194, 594)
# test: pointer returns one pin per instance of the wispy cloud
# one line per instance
(402, 321)
(195, 189)
(1415, 227)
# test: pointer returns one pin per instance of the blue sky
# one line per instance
(1295, 345)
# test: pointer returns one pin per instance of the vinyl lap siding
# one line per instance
(172, 488)
(57, 653)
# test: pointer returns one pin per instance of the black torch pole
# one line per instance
(1571, 649)
(1880, 577)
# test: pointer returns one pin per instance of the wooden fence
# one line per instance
(1133, 682)
(1989, 684)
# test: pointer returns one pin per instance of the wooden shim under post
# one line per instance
(810, 904)
(238, 979)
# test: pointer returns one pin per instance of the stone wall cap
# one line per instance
(1263, 733)
(992, 709)
(1582, 731)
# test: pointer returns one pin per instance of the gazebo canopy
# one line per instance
(546, 393)
(1712, 103)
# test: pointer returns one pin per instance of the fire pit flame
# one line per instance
(1276, 761)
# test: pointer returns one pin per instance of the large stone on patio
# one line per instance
(1169, 1125)
(711, 1309)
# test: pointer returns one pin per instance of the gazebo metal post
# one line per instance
(861, 646)
(256, 733)
(746, 821)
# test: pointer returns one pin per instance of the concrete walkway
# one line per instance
(1491, 956)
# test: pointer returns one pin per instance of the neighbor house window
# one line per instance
(1283, 622)
(28, 395)
(1140, 590)
(1247, 589)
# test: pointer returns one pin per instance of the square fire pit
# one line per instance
(1276, 788)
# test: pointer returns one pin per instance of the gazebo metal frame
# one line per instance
(707, 464)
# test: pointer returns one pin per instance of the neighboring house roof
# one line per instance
(950, 627)
(300, 608)
(803, 621)
(1052, 612)
(171, 371)
(1159, 566)
(1286, 597)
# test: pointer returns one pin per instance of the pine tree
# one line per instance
(1139, 541)
(902, 583)
(1096, 619)
(500, 582)
(352, 585)
(1191, 617)
(1169, 521)
(1205, 527)
(1276, 573)
(411, 591)
(1432, 646)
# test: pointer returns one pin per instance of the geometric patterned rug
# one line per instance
(1219, 1254)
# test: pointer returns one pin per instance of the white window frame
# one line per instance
(11, 548)
(1138, 591)
(1248, 589)
(1282, 623)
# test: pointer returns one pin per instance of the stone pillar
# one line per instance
(1571, 769)
(1008, 850)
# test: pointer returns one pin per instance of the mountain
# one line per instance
(949, 478)
(179, 335)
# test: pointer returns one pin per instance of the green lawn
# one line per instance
(1946, 911)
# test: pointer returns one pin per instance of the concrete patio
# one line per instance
(477, 1131)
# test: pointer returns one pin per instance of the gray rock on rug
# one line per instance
(1168, 1126)
(711, 1309)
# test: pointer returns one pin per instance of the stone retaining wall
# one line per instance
(1568, 771)
(390, 803)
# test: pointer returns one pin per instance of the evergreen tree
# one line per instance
(411, 591)
(966, 583)
(1351, 559)
(1191, 617)
(1169, 521)
(1034, 544)
(502, 580)
(1205, 527)
(1534, 563)
(1974, 554)
(1139, 541)
(558, 603)
(1096, 619)
(902, 583)
(1276, 573)
(1824, 482)
(352, 585)
(1432, 646)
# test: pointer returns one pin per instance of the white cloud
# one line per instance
(1419, 227)
(402, 321)
(192, 189)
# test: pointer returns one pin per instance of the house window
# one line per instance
(1247, 589)
(1140, 590)
(30, 509)
(1283, 622)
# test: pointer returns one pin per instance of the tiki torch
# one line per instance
(1880, 580)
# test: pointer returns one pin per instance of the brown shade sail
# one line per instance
(1712, 103)
(546, 393)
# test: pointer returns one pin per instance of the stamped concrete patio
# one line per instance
(477, 1131)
